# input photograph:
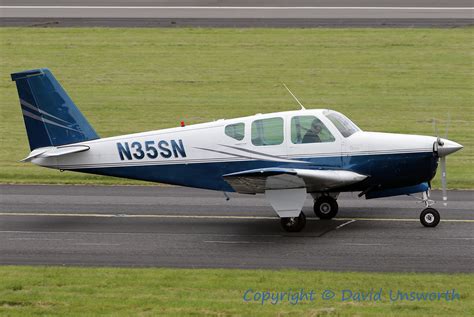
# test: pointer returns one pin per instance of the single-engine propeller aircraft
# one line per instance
(284, 155)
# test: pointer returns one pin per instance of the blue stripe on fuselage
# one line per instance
(387, 170)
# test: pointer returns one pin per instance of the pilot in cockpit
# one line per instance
(312, 135)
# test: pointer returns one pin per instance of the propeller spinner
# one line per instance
(442, 148)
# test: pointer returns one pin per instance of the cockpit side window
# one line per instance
(309, 129)
(267, 131)
(342, 123)
(235, 131)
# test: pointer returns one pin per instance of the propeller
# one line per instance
(443, 180)
(441, 151)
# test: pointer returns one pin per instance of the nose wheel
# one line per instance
(429, 217)
(294, 224)
(325, 207)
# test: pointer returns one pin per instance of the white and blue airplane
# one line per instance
(283, 155)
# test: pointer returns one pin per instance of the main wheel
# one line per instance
(294, 224)
(325, 207)
(430, 217)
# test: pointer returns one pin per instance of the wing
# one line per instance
(260, 180)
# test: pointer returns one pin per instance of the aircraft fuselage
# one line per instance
(198, 155)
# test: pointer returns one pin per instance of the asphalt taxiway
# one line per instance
(239, 13)
(182, 227)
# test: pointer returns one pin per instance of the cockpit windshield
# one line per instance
(342, 123)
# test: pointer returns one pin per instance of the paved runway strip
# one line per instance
(251, 12)
(181, 227)
(239, 13)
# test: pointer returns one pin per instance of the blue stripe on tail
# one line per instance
(51, 118)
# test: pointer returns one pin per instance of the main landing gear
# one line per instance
(294, 224)
(325, 207)
(429, 217)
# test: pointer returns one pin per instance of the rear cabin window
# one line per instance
(267, 132)
(309, 129)
(235, 131)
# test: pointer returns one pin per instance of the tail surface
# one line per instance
(51, 118)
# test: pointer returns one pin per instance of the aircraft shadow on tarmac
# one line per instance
(200, 226)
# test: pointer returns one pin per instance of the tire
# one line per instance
(430, 217)
(294, 224)
(325, 207)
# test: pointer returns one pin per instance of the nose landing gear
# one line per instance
(429, 217)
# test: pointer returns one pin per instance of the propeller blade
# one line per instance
(447, 126)
(443, 179)
(435, 127)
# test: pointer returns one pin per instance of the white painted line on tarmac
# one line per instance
(237, 242)
(37, 239)
(134, 233)
(345, 223)
(39, 214)
(211, 12)
(403, 219)
(94, 215)
(232, 8)
(365, 244)
(97, 244)
(456, 238)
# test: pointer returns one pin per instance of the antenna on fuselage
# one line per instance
(301, 105)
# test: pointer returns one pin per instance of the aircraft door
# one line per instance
(310, 138)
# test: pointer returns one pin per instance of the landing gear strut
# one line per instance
(429, 217)
(325, 207)
(294, 224)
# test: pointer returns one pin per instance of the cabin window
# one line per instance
(235, 131)
(342, 123)
(309, 129)
(267, 131)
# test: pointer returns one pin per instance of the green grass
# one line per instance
(60, 291)
(132, 80)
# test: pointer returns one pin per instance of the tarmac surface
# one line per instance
(182, 227)
(239, 13)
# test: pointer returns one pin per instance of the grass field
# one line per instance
(132, 80)
(59, 291)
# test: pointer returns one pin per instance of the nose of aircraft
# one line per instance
(446, 147)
